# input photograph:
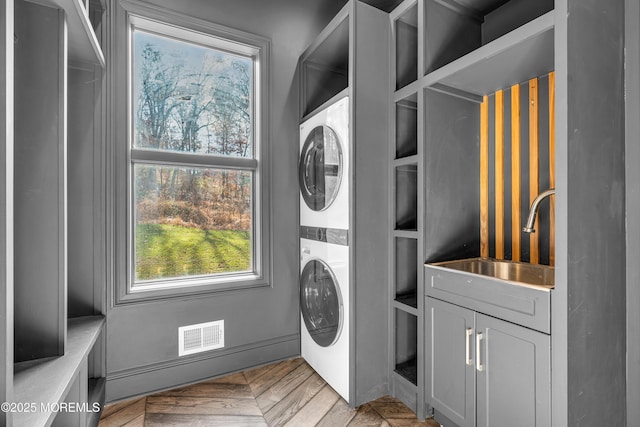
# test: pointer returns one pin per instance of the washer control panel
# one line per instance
(327, 235)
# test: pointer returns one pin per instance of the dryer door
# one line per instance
(320, 169)
(321, 303)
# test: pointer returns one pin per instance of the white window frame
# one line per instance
(172, 24)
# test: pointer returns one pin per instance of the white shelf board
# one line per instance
(83, 43)
(407, 234)
(49, 380)
(399, 11)
(335, 98)
(407, 91)
(402, 306)
(518, 56)
(405, 161)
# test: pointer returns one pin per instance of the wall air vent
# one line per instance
(200, 337)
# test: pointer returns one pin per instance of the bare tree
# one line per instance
(176, 102)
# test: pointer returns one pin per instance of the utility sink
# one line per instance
(513, 291)
(519, 272)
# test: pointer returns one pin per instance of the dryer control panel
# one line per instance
(327, 235)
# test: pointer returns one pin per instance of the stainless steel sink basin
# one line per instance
(522, 273)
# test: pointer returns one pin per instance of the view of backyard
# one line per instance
(190, 220)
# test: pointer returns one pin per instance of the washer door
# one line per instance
(320, 169)
(321, 303)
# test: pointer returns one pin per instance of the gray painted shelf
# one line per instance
(519, 55)
(83, 43)
(49, 380)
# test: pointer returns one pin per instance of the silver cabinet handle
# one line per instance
(469, 333)
(479, 365)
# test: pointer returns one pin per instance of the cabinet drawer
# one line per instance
(528, 306)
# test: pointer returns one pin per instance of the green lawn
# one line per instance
(164, 250)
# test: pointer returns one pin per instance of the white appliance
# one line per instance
(324, 307)
(324, 167)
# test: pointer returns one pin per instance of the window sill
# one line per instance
(190, 288)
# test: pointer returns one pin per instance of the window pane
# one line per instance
(191, 221)
(191, 98)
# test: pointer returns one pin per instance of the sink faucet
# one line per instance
(528, 228)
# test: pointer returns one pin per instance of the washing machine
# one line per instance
(324, 304)
(324, 168)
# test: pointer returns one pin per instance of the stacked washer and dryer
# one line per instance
(324, 244)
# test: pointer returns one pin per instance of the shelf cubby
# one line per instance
(502, 17)
(325, 66)
(407, 127)
(524, 53)
(452, 31)
(406, 217)
(478, 67)
(40, 199)
(406, 271)
(406, 349)
(454, 28)
(406, 40)
(95, 11)
(83, 43)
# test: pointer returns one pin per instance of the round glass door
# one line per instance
(320, 168)
(320, 303)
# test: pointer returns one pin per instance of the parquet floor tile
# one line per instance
(287, 393)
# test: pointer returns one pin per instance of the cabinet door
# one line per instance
(513, 375)
(450, 371)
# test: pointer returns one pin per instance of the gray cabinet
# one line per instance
(485, 372)
(513, 375)
(450, 371)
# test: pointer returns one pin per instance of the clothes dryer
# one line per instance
(324, 305)
(324, 167)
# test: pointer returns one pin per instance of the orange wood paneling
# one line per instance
(534, 164)
(484, 177)
(552, 166)
(515, 173)
(515, 210)
(499, 174)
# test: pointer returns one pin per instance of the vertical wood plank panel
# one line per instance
(506, 176)
(552, 163)
(515, 173)
(499, 174)
(484, 177)
(533, 163)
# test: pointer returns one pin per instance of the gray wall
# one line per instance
(261, 324)
(632, 154)
(589, 316)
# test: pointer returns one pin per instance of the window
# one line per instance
(195, 171)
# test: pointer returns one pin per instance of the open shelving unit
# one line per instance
(406, 46)
(446, 55)
(57, 321)
(325, 69)
(406, 183)
(350, 58)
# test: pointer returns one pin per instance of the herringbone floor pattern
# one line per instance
(288, 393)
